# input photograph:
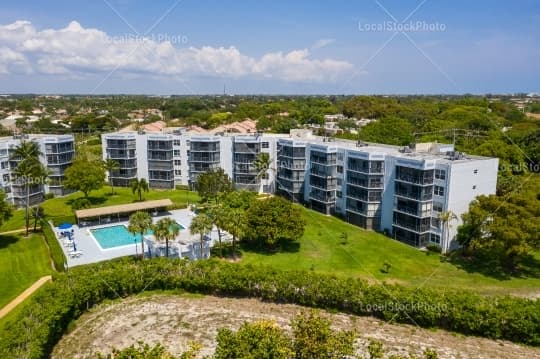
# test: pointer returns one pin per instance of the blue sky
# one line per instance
(269, 46)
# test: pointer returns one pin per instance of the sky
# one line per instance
(269, 47)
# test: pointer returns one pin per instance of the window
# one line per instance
(176, 142)
(340, 156)
(438, 191)
(176, 153)
(339, 169)
(6, 177)
(435, 238)
(339, 194)
(440, 174)
(435, 222)
(475, 171)
(265, 145)
(339, 182)
(177, 163)
(177, 172)
(437, 207)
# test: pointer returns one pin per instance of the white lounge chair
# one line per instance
(75, 254)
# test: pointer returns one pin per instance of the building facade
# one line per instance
(57, 154)
(399, 191)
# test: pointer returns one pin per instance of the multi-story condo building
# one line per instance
(58, 152)
(399, 191)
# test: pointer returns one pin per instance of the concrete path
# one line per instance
(28, 292)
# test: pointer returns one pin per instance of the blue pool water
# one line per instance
(116, 236)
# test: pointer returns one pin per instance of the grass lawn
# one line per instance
(22, 262)
(365, 252)
(59, 208)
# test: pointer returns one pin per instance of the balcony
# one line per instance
(414, 176)
(416, 196)
(121, 144)
(412, 211)
(325, 198)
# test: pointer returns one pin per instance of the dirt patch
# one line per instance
(175, 320)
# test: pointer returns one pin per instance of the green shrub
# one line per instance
(182, 187)
(57, 255)
(434, 248)
(81, 203)
(36, 329)
(49, 195)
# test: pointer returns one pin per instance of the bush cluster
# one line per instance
(57, 255)
(37, 328)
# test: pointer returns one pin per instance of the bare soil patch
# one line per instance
(175, 320)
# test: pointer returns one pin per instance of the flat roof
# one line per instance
(122, 208)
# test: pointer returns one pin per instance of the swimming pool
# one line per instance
(117, 236)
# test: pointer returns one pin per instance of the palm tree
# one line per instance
(217, 214)
(110, 165)
(262, 164)
(235, 224)
(140, 222)
(201, 225)
(166, 229)
(29, 170)
(37, 214)
(139, 186)
(6, 210)
(446, 217)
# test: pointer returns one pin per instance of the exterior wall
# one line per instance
(359, 181)
(466, 181)
(58, 152)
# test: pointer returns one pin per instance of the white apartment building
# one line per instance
(58, 152)
(399, 191)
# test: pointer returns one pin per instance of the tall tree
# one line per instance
(446, 217)
(506, 230)
(85, 175)
(6, 209)
(139, 223)
(166, 229)
(139, 186)
(236, 224)
(110, 165)
(29, 171)
(201, 225)
(37, 214)
(218, 216)
(213, 185)
(262, 164)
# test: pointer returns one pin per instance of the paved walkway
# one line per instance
(28, 292)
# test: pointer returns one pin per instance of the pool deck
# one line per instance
(92, 252)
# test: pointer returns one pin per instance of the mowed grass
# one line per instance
(22, 262)
(363, 255)
(60, 207)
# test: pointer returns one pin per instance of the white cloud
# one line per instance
(322, 43)
(76, 51)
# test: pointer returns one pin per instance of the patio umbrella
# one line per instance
(65, 226)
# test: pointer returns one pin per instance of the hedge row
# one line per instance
(57, 255)
(40, 325)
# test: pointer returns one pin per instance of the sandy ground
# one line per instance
(176, 320)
